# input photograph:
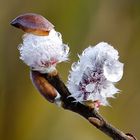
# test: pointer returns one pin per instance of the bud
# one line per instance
(43, 86)
(33, 23)
(42, 46)
(92, 78)
(42, 53)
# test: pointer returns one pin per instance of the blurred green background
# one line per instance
(24, 113)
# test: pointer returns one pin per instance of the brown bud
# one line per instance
(43, 86)
(33, 23)
(95, 121)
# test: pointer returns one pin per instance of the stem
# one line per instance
(92, 115)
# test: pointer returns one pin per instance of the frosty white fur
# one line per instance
(92, 78)
(42, 53)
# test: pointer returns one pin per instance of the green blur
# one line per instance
(24, 113)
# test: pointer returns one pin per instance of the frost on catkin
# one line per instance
(93, 77)
(42, 53)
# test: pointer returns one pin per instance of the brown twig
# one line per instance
(92, 115)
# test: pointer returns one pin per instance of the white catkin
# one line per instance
(93, 77)
(42, 53)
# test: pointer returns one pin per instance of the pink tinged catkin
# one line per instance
(43, 53)
(93, 77)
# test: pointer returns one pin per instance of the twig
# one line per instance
(92, 115)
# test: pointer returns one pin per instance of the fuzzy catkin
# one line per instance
(93, 77)
(42, 53)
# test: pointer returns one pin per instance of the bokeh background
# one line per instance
(24, 113)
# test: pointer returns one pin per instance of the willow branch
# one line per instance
(92, 115)
(49, 84)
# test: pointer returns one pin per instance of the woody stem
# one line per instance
(92, 115)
